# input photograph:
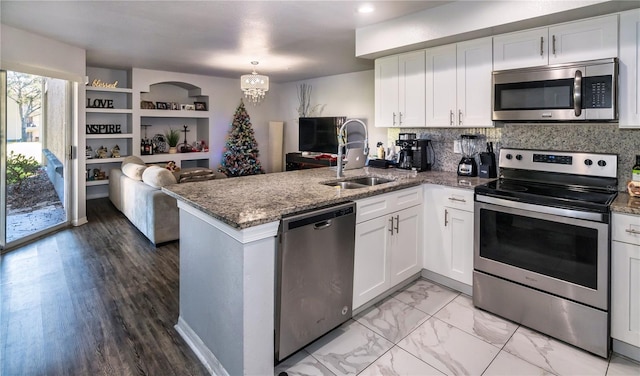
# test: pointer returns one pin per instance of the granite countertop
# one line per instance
(625, 203)
(257, 199)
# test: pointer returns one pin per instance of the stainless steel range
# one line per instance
(541, 251)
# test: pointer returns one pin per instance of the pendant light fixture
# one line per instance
(254, 85)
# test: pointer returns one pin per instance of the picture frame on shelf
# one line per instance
(200, 106)
(175, 106)
(147, 105)
(162, 105)
(187, 107)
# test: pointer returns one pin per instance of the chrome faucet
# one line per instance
(342, 135)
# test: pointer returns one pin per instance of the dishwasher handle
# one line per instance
(322, 225)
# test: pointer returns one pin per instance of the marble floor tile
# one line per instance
(554, 356)
(399, 362)
(506, 364)
(449, 349)
(621, 366)
(349, 349)
(463, 315)
(392, 319)
(302, 363)
(426, 296)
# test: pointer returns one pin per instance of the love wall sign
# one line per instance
(99, 103)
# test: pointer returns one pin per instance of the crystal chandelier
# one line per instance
(254, 85)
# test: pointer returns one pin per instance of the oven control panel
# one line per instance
(590, 164)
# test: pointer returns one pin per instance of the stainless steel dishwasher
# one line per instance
(314, 279)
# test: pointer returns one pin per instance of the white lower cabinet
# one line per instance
(388, 247)
(448, 234)
(625, 279)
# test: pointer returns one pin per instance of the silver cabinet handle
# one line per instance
(391, 227)
(446, 213)
(577, 93)
(541, 46)
(457, 199)
(632, 231)
(397, 224)
(450, 117)
(459, 117)
(553, 41)
(400, 122)
(394, 118)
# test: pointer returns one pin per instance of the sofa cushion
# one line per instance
(132, 159)
(134, 170)
(196, 174)
(157, 177)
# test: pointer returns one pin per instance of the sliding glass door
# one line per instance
(36, 113)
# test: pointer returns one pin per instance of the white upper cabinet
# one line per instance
(459, 84)
(629, 79)
(400, 90)
(594, 38)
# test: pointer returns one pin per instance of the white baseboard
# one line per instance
(630, 351)
(203, 353)
(448, 282)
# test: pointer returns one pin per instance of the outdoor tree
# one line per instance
(26, 91)
(240, 155)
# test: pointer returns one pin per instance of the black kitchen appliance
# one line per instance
(468, 165)
(542, 243)
(488, 167)
(415, 154)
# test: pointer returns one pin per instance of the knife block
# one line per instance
(487, 168)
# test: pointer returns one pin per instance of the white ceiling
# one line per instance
(292, 40)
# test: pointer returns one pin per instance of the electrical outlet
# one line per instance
(457, 149)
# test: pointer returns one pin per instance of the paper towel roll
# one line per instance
(276, 145)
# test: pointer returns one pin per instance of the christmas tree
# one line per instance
(240, 155)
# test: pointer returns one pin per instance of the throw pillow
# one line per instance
(133, 170)
(158, 177)
(132, 159)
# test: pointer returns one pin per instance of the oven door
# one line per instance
(548, 251)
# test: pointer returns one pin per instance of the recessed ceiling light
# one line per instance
(366, 8)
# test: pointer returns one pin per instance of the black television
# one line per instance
(319, 134)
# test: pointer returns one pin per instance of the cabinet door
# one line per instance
(434, 253)
(629, 80)
(596, 38)
(441, 86)
(458, 243)
(371, 273)
(625, 292)
(411, 71)
(406, 244)
(520, 49)
(474, 66)
(386, 91)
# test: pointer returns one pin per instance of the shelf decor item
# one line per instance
(172, 137)
(200, 106)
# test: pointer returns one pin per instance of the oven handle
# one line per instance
(598, 217)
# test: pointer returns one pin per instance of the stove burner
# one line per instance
(512, 187)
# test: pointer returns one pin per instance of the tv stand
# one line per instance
(295, 161)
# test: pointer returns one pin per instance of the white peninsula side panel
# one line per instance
(227, 293)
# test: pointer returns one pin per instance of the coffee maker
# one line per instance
(415, 154)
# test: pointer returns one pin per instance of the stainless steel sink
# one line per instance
(357, 183)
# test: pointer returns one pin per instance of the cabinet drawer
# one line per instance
(376, 206)
(451, 197)
(626, 228)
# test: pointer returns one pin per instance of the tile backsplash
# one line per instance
(585, 137)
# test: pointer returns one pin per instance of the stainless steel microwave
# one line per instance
(585, 91)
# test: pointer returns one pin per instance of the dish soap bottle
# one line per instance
(635, 171)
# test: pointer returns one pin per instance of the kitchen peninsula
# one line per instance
(228, 242)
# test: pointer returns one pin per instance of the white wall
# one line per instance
(350, 95)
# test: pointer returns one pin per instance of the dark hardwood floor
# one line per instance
(98, 299)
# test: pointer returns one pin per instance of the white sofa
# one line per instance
(136, 191)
